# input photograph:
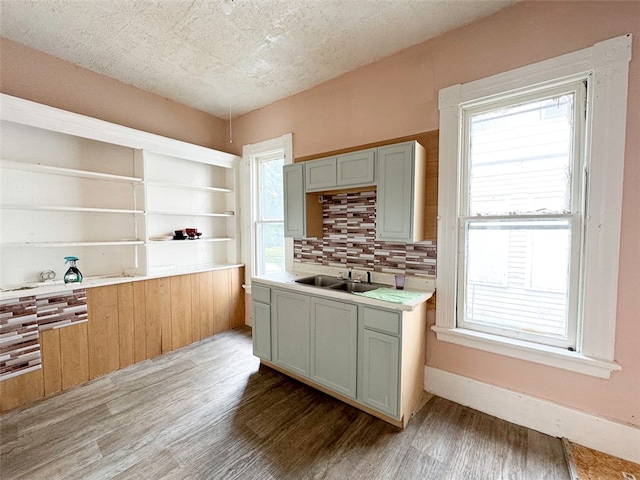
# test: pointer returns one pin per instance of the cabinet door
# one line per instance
(290, 336)
(320, 174)
(357, 168)
(261, 314)
(334, 341)
(294, 200)
(380, 366)
(395, 192)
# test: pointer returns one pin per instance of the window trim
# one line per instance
(608, 63)
(247, 177)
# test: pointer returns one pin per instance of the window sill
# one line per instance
(531, 352)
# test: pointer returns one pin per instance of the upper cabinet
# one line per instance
(348, 170)
(110, 195)
(401, 193)
(397, 171)
(294, 200)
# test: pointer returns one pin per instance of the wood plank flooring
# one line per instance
(209, 411)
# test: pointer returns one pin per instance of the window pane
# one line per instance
(271, 188)
(270, 245)
(517, 275)
(520, 158)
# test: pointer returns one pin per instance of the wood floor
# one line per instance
(209, 411)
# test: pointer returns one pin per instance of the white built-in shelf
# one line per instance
(199, 240)
(68, 172)
(54, 208)
(73, 244)
(192, 214)
(184, 186)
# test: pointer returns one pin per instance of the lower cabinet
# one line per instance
(370, 357)
(261, 314)
(380, 369)
(290, 331)
(334, 345)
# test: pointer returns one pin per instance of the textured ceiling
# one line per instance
(228, 57)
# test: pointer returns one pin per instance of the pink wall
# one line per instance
(36, 76)
(397, 96)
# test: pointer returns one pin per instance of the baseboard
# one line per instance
(542, 415)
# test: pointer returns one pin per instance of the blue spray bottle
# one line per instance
(73, 275)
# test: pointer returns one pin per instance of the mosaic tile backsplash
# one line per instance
(21, 321)
(349, 239)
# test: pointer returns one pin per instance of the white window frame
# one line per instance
(608, 64)
(250, 153)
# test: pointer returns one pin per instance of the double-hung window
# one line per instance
(269, 252)
(522, 209)
(529, 199)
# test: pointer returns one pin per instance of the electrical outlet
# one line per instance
(628, 476)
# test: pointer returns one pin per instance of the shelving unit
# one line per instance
(73, 185)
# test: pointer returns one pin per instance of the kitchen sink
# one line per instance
(340, 284)
(320, 281)
(354, 287)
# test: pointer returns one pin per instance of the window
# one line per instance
(264, 248)
(269, 215)
(530, 182)
(522, 208)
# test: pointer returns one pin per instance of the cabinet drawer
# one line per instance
(382, 320)
(260, 293)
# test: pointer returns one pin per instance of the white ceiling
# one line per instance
(229, 57)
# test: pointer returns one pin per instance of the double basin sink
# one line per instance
(340, 284)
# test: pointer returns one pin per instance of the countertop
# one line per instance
(287, 280)
(43, 288)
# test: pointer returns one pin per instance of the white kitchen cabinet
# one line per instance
(294, 200)
(74, 185)
(400, 199)
(334, 343)
(290, 331)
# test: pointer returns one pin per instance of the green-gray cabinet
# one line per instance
(290, 331)
(334, 345)
(294, 200)
(261, 316)
(400, 198)
(347, 170)
(368, 356)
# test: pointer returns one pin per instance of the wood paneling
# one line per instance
(104, 337)
(180, 311)
(139, 322)
(221, 307)
(51, 366)
(21, 390)
(126, 324)
(205, 314)
(153, 317)
(195, 307)
(237, 296)
(74, 354)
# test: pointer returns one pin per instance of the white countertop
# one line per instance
(287, 280)
(42, 288)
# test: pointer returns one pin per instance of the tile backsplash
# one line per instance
(349, 239)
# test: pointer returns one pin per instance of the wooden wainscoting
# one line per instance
(129, 323)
